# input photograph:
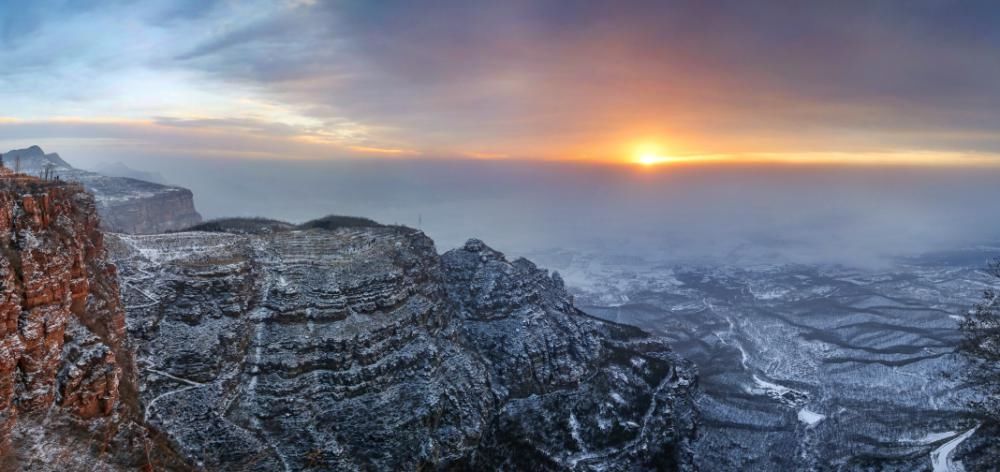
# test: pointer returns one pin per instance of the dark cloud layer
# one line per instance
(551, 79)
(534, 72)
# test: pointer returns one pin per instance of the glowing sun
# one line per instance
(652, 159)
(650, 155)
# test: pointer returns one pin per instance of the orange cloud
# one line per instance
(387, 151)
(485, 155)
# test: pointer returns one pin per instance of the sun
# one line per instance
(650, 159)
(649, 155)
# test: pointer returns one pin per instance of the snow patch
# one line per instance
(574, 428)
(810, 418)
(768, 294)
(931, 437)
(617, 398)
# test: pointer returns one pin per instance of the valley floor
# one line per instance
(807, 367)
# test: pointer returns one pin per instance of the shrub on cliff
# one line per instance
(255, 225)
(337, 221)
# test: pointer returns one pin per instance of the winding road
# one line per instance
(941, 457)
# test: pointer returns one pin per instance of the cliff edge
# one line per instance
(65, 365)
(362, 349)
(125, 205)
(337, 345)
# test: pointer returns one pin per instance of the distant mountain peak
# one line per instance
(33, 158)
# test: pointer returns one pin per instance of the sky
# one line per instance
(913, 82)
(727, 131)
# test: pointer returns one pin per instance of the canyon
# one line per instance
(327, 348)
(344, 344)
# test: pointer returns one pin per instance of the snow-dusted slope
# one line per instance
(805, 367)
(363, 349)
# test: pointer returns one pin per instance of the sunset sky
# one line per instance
(910, 82)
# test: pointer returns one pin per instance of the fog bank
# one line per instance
(850, 215)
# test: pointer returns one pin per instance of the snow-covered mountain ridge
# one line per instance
(363, 349)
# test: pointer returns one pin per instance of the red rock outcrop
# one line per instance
(61, 321)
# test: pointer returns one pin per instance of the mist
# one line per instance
(859, 216)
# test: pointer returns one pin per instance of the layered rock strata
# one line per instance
(330, 348)
(362, 349)
(61, 322)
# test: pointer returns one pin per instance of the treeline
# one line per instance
(259, 225)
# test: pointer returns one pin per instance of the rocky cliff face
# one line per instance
(573, 392)
(138, 207)
(67, 381)
(125, 205)
(362, 349)
(61, 323)
(322, 349)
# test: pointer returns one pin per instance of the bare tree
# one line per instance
(981, 346)
(47, 171)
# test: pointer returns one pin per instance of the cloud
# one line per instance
(179, 11)
(184, 138)
(527, 79)
(537, 77)
(387, 151)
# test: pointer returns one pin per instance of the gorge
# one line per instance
(349, 348)
(345, 344)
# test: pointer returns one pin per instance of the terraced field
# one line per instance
(808, 367)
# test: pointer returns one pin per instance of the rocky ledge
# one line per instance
(362, 349)
(125, 205)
